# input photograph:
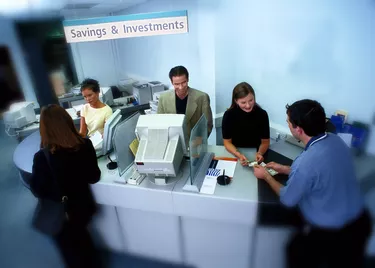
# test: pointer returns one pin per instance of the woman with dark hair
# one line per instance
(95, 113)
(62, 170)
(245, 124)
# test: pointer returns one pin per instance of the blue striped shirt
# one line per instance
(323, 183)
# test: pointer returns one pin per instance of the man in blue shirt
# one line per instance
(323, 184)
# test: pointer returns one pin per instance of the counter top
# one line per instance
(232, 202)
(147, 196)
(243, 185)
(24, 153)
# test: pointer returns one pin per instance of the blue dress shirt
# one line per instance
(323, 183)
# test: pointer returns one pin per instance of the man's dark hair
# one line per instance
(178, 71)
(92, 84)
(308, 115)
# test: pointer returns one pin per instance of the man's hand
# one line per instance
(277, 167)
(260, 172)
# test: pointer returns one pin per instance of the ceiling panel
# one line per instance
(76, 8)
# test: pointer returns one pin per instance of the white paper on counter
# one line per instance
(229, 167)
(78, 108)
(96, 139)
(72, 113)
(209, 185)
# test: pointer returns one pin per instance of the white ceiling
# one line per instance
(66, 8)
(87, 8)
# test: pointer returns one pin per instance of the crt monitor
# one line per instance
(19, 115)
(106, 95)
(109, 130)
(161, 144)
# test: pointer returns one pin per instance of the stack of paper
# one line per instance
(134, 146)
(209, 185)
(227, 166)
(78, 108)
(72, 113)
(96, 139)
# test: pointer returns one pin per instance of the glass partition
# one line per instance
(124, 135)
(200, 158)
(197, 145)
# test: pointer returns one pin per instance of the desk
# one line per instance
(225, 229)
(68, 100)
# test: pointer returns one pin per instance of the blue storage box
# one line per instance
(338, 122)
(359, 135)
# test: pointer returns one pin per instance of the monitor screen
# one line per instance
(109, 127)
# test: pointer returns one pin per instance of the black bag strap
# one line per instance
(64, 197)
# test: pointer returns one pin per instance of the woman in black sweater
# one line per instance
(63, 169)
(245, 124)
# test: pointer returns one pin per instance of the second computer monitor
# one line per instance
(106, 95)
(109, 127)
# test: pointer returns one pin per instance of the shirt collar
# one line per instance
(315, 139)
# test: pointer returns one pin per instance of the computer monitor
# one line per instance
(19, 115)
(162, 144)
(109, 127)
(106, 95)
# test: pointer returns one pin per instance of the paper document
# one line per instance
(72, 113)
(228, 166)
(209, 185)
(96, 139)
(217, 168)
(134, 146)
(78, 108)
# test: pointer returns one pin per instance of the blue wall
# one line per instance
(96, 60)
(293, 49)
(153, 57)
(287, 50)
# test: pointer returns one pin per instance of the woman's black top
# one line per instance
(246, 129)
(75, 170)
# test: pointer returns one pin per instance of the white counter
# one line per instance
(163, 222)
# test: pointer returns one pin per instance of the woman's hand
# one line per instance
(243, 159)
(258, 157)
